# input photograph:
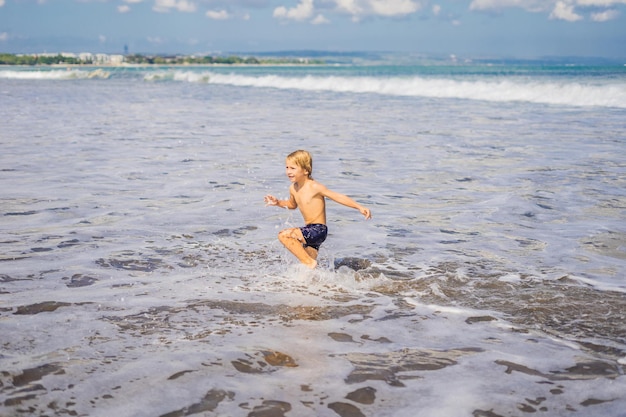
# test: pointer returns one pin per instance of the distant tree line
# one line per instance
(10, 59)
(181, 60)
(208, 60)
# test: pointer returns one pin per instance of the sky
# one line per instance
(464, 28)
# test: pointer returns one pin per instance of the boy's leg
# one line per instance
(312, 252)
(293, 240)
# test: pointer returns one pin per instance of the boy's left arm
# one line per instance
(344, 200)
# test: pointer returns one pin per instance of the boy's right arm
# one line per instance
(270, 200)
(291, 204)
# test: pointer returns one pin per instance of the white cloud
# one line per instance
(303, 11)
(218, 14)
(349, 6)
(357, 9)
(565, 11)
(123, 9)
(394, 7)
(102, 39)
(539, 5)
(320, 20)
(529, 5)
(605, 15)
(600, 3)
(2, 3)
(568, 10)
(360, 8)
(154, 39)
(4, 36)
(436, 9)
(164, 6)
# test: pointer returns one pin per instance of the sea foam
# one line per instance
(585, 92)
(560, 93)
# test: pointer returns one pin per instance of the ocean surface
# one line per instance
(140, 273)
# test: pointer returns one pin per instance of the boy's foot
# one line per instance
(312, 264)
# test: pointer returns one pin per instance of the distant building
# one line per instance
(116, 59)
(105, 59)
(86, 56)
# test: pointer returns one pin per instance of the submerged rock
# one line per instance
(366, 395)
(345, 409)
(252, 364)
(35, 374)
(209, 403)
(80, 280)
(391, 367)
(46, 306)
(353, 263)
(271, 408)
(279, 359)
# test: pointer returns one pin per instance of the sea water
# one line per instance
(140, 274)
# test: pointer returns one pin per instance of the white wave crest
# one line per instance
(553, 91)
(561, 93)
(184, 76)
(68, 74)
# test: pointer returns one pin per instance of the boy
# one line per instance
(308, 195)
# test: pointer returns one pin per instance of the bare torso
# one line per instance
(311, 203)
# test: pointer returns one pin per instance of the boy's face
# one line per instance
(294, 172)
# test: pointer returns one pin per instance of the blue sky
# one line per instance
(466, 28)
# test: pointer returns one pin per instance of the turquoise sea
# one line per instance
(140, 273)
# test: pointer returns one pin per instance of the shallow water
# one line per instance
(140, 273)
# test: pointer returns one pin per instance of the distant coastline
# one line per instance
(88, 59)
(288, 58)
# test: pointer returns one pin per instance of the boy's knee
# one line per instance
(287, 234)
(284, 234)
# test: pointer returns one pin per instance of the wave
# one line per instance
(186, 76)
(560, 93)
(68, 74)
(581, 92)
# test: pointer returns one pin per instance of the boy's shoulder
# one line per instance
(313, 184)
(310, 185)
(318, 186)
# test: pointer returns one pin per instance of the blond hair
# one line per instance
(302, 159)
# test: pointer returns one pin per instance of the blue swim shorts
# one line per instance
(314, 234)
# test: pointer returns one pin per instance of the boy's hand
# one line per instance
(366, 212)
(270, 200)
